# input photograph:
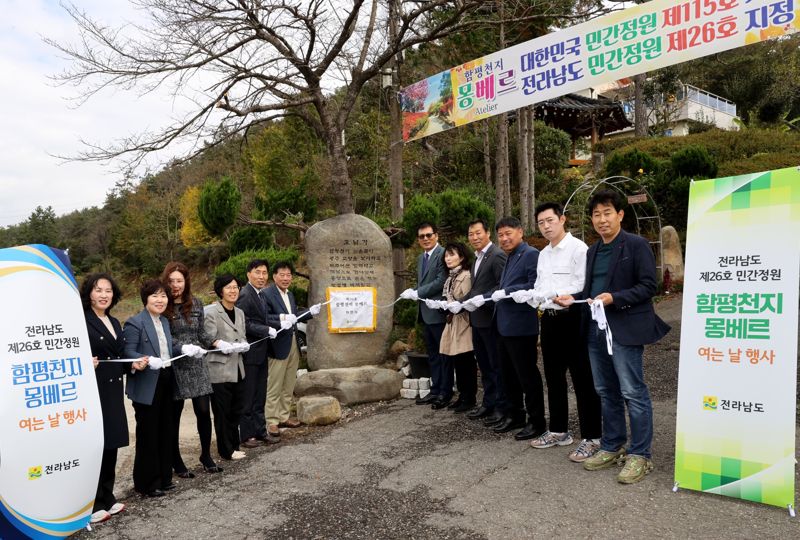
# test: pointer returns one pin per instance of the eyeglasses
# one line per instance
(425, 236)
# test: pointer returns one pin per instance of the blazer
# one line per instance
(631, 280)
(223, 368)
(139, 336)
(256, 326)
(485, 282)
(430, 284)
(109, 378)
(512, 319)
(457, 334)
(282, 344)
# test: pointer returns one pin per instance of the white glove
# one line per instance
(242, 347)
(477, 301)
(225, 347)
(408, 294)
(535, 301)
(291, 317)
(520, 297)
(469, 306)
(166, 363)
(272, 333)
(286, 324)
(454, 307)
(432, 304)
(193, 350)
(315, 309)
(498, 295)
(155, 362)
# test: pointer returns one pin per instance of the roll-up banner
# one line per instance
(51, 428)
(636, 40)
(735, 432)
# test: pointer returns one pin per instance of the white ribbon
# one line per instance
(599, 316)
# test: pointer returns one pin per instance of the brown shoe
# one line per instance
(290, 423)
(274, 430)
(252, 443)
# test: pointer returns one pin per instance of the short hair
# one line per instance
(425, 225)
(151, 286)
(280, 265)
(480, 221)
(554, 206)
(255, 263)
(461, 250)
(508, 221)
(186, 297)
(606, 197)
(222, 281)
(89, 284)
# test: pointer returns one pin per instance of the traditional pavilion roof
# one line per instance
(576, 114)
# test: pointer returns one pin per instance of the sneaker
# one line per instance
(116, 509)
(238, 454)
(99, 517)
(586, 449)
(635, 469)
(603, 459)
(549, 439)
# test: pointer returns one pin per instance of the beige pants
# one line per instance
(280, 385)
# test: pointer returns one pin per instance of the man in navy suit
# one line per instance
(517, 327)
(285, 353)
(621, 273)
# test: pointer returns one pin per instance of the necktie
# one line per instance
(424, 263)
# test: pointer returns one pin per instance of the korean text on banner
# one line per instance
(51, 429)
(636, 40)
(352, 309)
(738, 357)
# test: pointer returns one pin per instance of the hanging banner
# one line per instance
(636, 40)
(352, 309)
(738, 356)
(51, 428)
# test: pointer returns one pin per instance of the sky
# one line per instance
(39, 119)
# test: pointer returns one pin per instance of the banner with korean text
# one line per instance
(51, 429)
(352, 309)
(641, 38)
(735, 432)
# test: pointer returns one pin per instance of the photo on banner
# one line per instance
(51, 426)
(737, 400)
(352, 309)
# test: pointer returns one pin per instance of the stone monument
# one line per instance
(349, 251)
(672, 253)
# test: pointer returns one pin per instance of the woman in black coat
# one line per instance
(99, 293)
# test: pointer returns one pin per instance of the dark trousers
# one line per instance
(104, 499)
(522, 380)
(226, 402)
(202, 411)
(564, 348)
(252, 423)
(441, 365)
(484, 342)
(152, 465)
(466, 376)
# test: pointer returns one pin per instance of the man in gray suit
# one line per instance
(486, 272)
(431, 275)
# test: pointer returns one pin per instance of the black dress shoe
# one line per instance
(479, 412)
(508, 424)
(492, 419)
(427, 399)
(185, 474)
(464, 407)
(440, 403)
(154, 493)
(455, 404)
(169, 487)
(528, 432)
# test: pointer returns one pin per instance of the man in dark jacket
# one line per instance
(621, 274)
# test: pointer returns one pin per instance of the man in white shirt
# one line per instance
(561, 271)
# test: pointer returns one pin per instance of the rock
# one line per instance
(413, 383)
(424, 383)
(406, 371)
(671, 251)
(301, 372)
(423, 393)
(318, 410)
(396, 351)
(408, 393)
(402, 361)
(352, 385)
(348, 251)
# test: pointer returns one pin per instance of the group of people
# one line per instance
(472, 319)
(237, 357)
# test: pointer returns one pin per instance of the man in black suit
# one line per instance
(621, 274)
(485, 272)
(252, 301)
